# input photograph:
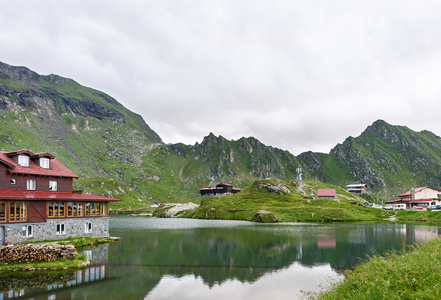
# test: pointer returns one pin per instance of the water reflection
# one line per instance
(50, 285)
(199, 259)
(55, 284)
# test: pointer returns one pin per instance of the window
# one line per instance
(13, 181)
(31, 184)
(55, 209)
(27, 230)
(88, 227)
(74, 209)
(53, 186)
(17, 211)
(2, 212)
(44, 163)
(95, 209)
(23, 160)
(60, 229)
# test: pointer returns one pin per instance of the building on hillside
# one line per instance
(358, 188)
(326, 194)
(422, 197)
(221, 189)
(37, 201)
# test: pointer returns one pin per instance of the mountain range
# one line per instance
(116, 153)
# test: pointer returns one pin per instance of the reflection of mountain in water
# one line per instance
(246, 253)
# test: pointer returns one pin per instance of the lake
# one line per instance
(208, 259)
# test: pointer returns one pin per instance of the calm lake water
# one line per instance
(204, 259)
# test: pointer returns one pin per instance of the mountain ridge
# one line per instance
(116, 153)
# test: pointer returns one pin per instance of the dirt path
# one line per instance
(392, 218)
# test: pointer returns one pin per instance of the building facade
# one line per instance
(37, 201)
(221, 189)
(358, 188)
(417, 197)
(326, 194)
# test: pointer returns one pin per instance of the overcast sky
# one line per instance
(297, 75)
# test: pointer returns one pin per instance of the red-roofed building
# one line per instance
(221, 189)
(37, 201)
(326, 194)
(421, 197)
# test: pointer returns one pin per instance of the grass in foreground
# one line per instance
(414, 273)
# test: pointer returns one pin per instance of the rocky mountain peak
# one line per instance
(17, 73)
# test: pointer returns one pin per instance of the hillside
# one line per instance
(116, 153)
(273, 200)
(87, 130)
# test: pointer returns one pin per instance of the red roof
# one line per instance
(416, 191)
(52, 196)
(411, 201)
(326, 192)
(421, 200)
(56, 167)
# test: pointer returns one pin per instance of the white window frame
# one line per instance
(53, 186)
(61, 229)
(13, 181)
(45, 163)
(27, 231)
(88, 227)
(31, 184)
(23, 160)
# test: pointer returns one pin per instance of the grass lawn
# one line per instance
(62, 264)
(272, 200)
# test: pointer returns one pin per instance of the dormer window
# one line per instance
(44, 162)
(53, 186)
(23, 160)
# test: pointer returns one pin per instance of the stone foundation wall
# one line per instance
(13, 233)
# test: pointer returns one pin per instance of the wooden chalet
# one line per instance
(358, 188)
(221, 189)
(37, 201)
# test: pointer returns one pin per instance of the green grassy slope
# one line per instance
(272, 200)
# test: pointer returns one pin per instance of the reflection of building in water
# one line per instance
(57, 289)
(422, 234)
(357, 236)
(326, 237)
(98, 255)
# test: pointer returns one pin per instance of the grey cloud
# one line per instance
(298, 75)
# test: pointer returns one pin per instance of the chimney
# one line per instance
(412, 194)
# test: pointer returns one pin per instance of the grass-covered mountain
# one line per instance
(116, 153)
